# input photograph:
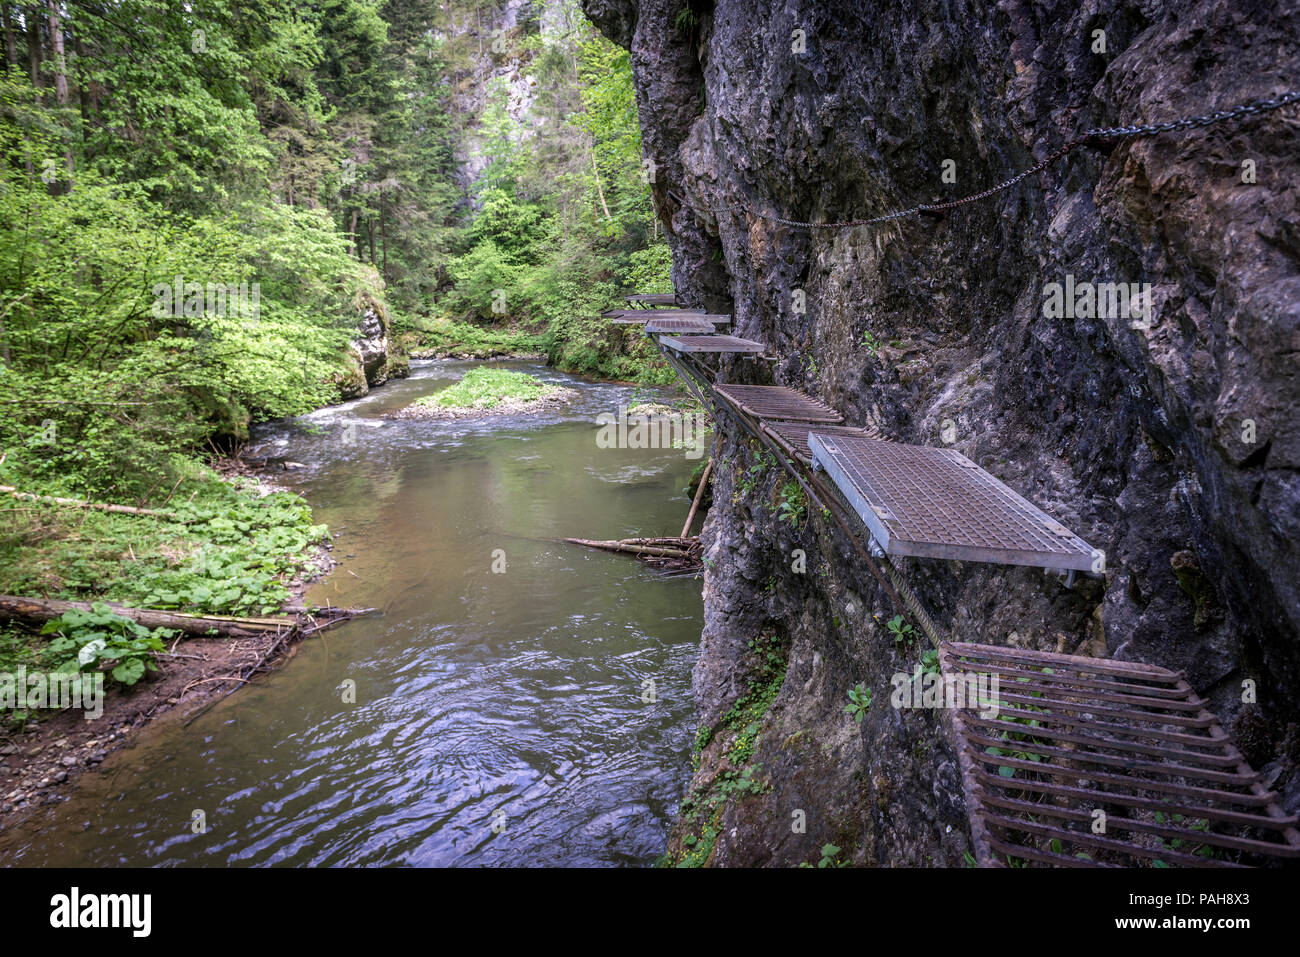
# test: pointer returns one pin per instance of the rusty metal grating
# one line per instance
(679, 324)
(936, 503)
(1091, 762)
(653, 298)
(778, 402)
(712, 344)
(792, 437)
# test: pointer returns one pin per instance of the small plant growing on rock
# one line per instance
(870, 343)
(793, 505)
(859, 702)
(901, 630)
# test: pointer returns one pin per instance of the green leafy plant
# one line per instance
(900, 629)
(99, 639)
(859, 702)
(483, 388)
(793, 505)
(830, 856)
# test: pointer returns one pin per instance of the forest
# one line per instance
(203, 204)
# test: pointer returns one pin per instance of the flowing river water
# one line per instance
(499, 717)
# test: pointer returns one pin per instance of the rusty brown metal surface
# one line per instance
(778, 402)
(1054, 776)
(936, 503)
(792, 437)
(684, 324)
(712, 344)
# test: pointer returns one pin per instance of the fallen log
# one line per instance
(81, 503)
(47, 609)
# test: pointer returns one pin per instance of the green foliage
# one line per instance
(900, 629)
(98, 639)
(562, 223)
(859, 703)
(830, 856)
(740, 729)
(793, 504)
(226, 552)
(482, 388)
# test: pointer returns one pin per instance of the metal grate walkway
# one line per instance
(652, 298)
(1090, 762)
(630, 317)
(792, 437)
(936, 503)
(685, 324)
(778, 402)
(713, 344)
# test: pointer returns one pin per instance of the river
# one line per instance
(499, 716)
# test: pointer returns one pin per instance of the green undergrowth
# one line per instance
(484, 388)
(223, 549)
(737, 775)
(469, 340)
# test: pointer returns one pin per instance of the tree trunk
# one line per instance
(352, 234)
(57, 50)
(11, 47)
(78, 503)
(383, 238)
(34, 48)
(599, 190)
(46, 609)
(699, 495)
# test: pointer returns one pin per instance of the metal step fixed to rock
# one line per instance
(935, 503)
(713, 344)
(678, 324)
(1089, 762)
(778, 402)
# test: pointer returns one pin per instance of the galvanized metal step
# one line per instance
(631, 317)
(713, 344)
(792, 437)
(652, 298)
(936, 503)
(679, 324)
(1084, 762)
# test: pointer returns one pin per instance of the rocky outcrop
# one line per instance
(1172, 445)
(373, 357)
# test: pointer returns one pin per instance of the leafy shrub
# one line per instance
(99, 639)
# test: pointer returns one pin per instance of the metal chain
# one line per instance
(1097, 133)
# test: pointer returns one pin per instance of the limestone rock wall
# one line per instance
(1175, 448)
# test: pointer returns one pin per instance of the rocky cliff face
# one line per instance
(1175, 448)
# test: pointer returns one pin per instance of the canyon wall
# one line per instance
(1174, 448)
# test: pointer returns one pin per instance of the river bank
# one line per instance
(43, 754)
(467, 692)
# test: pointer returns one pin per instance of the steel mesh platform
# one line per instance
(679, 324)
(792, 437)
(715, 344)
(778, 402)
(1075, 736)
(652, 298)
(628, 317)
(936, 503)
